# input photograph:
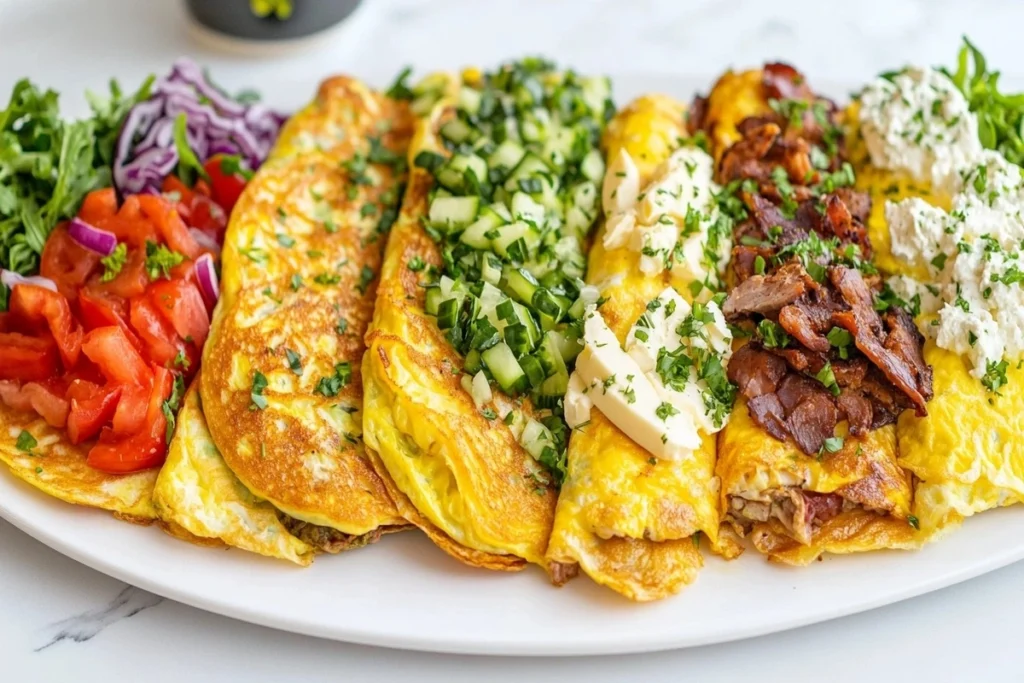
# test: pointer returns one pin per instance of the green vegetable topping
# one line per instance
(113, 264)
(26, 442)
(160, 260)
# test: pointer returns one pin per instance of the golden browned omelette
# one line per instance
(472, 483)
(281, 386)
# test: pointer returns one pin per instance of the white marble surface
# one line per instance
(60, 621)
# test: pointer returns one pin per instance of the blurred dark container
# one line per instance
(237, 19)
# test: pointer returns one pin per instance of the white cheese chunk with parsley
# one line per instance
(672, 222)
(652, 388)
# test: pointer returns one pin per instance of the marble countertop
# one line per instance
(60, 620)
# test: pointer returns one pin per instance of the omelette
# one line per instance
(770, 487)
(462, 478)
(629, 520)
(57, 467)
(281, 391)
(966, 455)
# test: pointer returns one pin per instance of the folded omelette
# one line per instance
(966, 455)
(268, 454)
(771, 489)
(629, 520)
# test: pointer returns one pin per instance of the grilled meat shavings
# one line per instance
(820, 352)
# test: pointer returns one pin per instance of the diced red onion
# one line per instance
(207, 276)
(9, 278)
(92, 238)
(204, 240)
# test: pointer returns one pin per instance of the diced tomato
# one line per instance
(208, 216)
(98, 204)
(12, 397)
(169, 224)
(32, 306)
(181, 304)
(27, 358)
(159, 339)
(134, 232)
(48, 400)
(130, 415)
(131, 281)
(226, 188)
(117, 359)
(144, 449)
(91, 407)
(173, 184)
(66, 262)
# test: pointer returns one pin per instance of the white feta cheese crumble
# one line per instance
(666, 409)
(671, 222)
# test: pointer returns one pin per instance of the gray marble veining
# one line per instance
(81, 628)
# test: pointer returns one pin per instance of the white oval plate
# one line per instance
(403, 592)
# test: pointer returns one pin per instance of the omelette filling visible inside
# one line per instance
(918, 122)
(828, 357)
(516, 195)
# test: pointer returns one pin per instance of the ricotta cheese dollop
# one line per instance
(919, 123)
(672, 222)
(666, 387)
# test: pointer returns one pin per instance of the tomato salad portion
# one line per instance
(104, 339)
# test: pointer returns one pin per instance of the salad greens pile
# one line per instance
(48, 164)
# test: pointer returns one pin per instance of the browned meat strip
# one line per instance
(767, 216)
(905, 341)
(863, 322)
(821, 507)
(768, 413)
(796, 321)
(755, 371)
(850, 373)
(838, 220)
(744, 258)
(858, 203)
(766, 294)
(783, 82)
(697, 115)
(794, 389)
(856, 409)
(813, 421)
(802, 360)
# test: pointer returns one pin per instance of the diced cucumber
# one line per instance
(550, 304)
(472, 364)
(524, 208)
(458, 131)
(533, 369)
(507, 234)
(550, 355)
(520, 285)
(490, 268)
(507, 155)
(448, 313)
(535, 125)
(517, 336)
(513, 313)
(477, 234)
(534, 173)
(452, 174)
(433, 300)
(469, 100)
(568, 341)
(453, 213)
(592, 166)
(505, 369)
(597, 90)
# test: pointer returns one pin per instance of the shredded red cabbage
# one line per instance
(216, 124)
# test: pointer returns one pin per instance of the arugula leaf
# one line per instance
(48, 164)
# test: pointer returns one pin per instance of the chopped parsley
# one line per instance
(259, 383)
(296, 282)
(828, 379)
(331, 385)
(665, 410)
(284, 240)
(181, 360)
(995, 375)
(772, 335)
(294, 361)
(172, 404)
(327, 279)
(416, 264)
(914, 522)
(113, 264)
(26, 442)
(365, 278)
(160, 260)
